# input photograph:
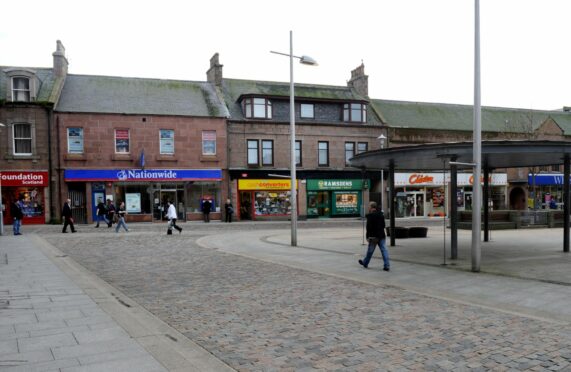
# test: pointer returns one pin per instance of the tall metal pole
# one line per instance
(566, 201)
(477, 187)
(293, 197)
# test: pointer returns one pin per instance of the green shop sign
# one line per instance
(336, 184)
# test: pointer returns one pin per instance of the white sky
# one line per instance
(413, 50)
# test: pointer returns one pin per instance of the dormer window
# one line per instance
(259, 108)
(20, 89)
(355, 112)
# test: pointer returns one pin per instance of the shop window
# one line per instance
(199, 191)
(362, 147)
(271, 203)
(122, 141)
(208, 142)
(267, 152)
(355, 112)
(166, 141)
(323, 154)
(257, 108)
(75, 140)
(298, 153)
(253, 152)
(136, 197)
(349, 151)
(307, 111)
(22, 135)
(20, 89)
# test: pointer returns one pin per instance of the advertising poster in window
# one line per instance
(209, 142)
(167, 141)
(346, 202)
(122, 140)
(133, 202)
(75, 140)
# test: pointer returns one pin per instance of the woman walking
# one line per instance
(121, 212)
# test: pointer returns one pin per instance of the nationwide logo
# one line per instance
(133, 174)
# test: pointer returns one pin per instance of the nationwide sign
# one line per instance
(23, 178)
(134, 175)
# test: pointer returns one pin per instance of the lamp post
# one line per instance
(382, 138)
(293, 198)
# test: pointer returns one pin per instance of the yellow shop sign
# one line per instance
(265, 184)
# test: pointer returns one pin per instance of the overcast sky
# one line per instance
(413, 50)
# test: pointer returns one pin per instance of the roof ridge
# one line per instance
(287, 83)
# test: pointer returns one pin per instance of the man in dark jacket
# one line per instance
(206, 206)
(17, 215)
(67, 219)
(101, 213)
(376, 236)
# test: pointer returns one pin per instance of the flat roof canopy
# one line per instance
(495, 154)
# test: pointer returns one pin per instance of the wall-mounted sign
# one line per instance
(435, 179)
(336, 184)
(23, 178)
(118, 175)
(270, 184)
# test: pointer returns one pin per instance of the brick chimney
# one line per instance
(60, 62)
(214, 73)
(359, 81)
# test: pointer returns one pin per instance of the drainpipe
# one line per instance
(49, 112)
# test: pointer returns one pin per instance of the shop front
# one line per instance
(31, 187)
(547, 189)
(146, 192)
(427, 194)
(335, 197)
(260, 199)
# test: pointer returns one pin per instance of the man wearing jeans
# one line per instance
(376, 236)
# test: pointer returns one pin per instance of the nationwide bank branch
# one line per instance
(145, 191)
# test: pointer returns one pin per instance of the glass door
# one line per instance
(160, 203)
(323, 204)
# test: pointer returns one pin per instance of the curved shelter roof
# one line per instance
(495, 154)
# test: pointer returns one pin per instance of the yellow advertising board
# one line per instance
(271, 184)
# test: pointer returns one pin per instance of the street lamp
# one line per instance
(382, 138)
(293, 198)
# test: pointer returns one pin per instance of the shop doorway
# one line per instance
(319, 203)
(410, 204)
(160, 203)
(245, 205)
(78, 207)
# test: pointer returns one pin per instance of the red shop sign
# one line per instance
(23, 178)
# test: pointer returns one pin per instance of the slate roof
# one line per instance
(48, 83)
(419, 115)
(121, 95)
(233, 89)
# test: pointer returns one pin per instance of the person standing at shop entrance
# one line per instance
(206, 206)
(229, 209)
(17, 215)
(68, 219)
(376, 236)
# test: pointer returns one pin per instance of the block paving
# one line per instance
(255, 315)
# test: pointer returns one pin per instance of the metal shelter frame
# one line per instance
(495, 155)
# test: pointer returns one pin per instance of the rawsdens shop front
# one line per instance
(31, 187)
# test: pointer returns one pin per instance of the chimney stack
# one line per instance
(359, 81)
(60, 62)
(214, 73)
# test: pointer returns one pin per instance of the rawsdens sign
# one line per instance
(23, 178)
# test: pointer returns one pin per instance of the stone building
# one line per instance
(27, 98)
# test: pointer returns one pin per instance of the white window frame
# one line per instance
(78, 138)
(253, 103)
(14, 139)
(128, 141)
(267, 150)
(18, 90)
(257, 152)
(307, 106)
(163, 148)
(205, 135)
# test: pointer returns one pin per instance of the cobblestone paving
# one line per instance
(260, 316)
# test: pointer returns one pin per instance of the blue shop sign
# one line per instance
(126, 175)
(546, 179)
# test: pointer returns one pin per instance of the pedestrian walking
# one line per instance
(121, 212)
(67, 218)
(206, 206)
(17, 215)
(101, 213)
(171, 215)
(229, 209)
(376, 236)
(110, 213)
